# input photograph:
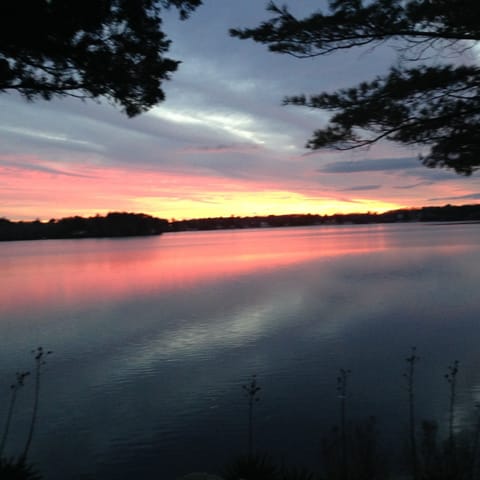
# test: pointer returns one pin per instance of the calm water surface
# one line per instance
(153, 338)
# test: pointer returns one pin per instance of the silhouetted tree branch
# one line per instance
(433, 105)
(88, 49)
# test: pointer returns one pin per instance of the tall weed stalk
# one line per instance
(410, 377)
(475, 445)
(451, 377)
(39, 354)
(342, 394)
(14, 388)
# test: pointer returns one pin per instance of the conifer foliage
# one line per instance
(430, 97)
(88, 49)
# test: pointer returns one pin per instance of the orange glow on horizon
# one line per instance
(250, 203)
(31, 188)
(40, 193)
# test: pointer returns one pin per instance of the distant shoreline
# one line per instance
(123, 225)
(113, 225)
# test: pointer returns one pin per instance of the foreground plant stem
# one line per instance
(409, 375)
(39, 362)
(451, 377)
(342, 393)
(15, 387)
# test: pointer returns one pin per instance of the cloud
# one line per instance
(360, 188)
(414, 185)
(371, 165)
(35, 166)
(221, 148)
(43, 138)
(222, 130)
(470, 196)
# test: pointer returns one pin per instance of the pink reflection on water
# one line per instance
(37, 274)
(73, 272)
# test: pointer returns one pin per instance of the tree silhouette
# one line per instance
(88, 49)
(431, 98)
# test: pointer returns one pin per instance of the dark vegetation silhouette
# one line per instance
(412, 425)
(40, 361)
(18, 467)
(14, 388)
(118, 224)
(115, 224)
(350, 451)
(447, 213)
(342, 395)
(114, 49)
(429, 97)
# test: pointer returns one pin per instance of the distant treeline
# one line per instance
(115, 224)
(119, 224)
(448, 213)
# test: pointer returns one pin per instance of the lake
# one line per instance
(153, 338)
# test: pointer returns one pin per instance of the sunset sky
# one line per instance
(221, 144)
